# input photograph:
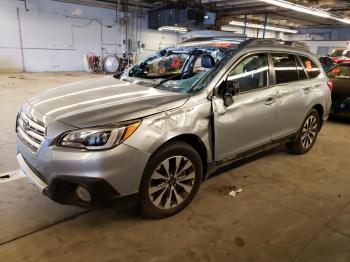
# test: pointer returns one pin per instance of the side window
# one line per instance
(285, 68)
(347, 54)
(310, 67)
(301, 71)
(251, 73)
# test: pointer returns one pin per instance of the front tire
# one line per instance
(171, 180)
(307, 135)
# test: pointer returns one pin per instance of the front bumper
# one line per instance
(28, 171)
(107, 175)
(62, 188)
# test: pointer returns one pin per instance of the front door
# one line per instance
(248, 122)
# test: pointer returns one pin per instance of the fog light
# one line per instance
(83, 194)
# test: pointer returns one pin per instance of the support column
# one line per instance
(20, 39)
(245, 24)
(265, 23)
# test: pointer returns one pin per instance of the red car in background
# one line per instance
(341, 56)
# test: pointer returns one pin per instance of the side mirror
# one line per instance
(231, 88)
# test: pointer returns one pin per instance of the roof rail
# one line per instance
(208, 38)
(274, 42)
(252, 42)
(195, 39)
(296, 44)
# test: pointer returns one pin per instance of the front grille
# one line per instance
(30, 132)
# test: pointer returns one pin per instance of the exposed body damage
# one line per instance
(157, 131)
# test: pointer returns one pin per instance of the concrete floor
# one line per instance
(291, 208)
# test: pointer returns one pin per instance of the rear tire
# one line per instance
(307, 135)
(171, 180)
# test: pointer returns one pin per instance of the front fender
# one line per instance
(158, 129)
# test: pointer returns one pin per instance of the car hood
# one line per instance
(102, 101)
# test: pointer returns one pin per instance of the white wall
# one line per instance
(253, 32)
(155, 40)
(314, 45)
(323, 37)
(55, 35)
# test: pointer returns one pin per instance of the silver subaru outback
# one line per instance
(158, 130)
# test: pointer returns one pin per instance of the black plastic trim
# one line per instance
(62, 190)
(251, 152)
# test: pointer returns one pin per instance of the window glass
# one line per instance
(301, 71)
(347, 54)
(310, 67)
(251, 73)
(285, 68)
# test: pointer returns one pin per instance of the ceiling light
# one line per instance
(269, 28)
(306, 10)
(173, 28)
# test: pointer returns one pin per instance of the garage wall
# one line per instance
(320, 47)
(155, 40)
(323, 34)
(258, 33)
(55, 35)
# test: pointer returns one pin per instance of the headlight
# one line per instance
(98, 138)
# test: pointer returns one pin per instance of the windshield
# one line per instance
(160, 66)
(340, 71)
(338, 53)
(177, 68)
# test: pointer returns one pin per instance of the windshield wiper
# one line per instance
(167, 79)
(174, 76)
(170, 89)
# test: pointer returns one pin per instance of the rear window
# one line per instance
(338, 52)
(310, 67)
(285, 68)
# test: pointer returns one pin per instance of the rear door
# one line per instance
(248, 122)
(292, 87)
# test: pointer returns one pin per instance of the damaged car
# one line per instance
(158, 130)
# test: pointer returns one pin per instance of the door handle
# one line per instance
(307, 90)
(271, 100)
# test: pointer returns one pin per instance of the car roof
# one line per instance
(237, 42)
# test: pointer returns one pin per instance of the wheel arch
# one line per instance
(194, 141)
(319, 108)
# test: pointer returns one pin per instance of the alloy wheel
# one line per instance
(172, 182)
(309, 132)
